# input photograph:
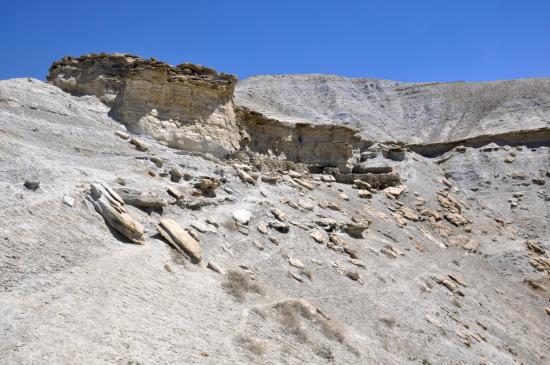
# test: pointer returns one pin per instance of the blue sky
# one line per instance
(416, 40)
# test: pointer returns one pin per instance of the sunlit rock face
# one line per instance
(187, 106)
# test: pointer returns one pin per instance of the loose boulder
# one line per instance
(178, 237)
(111, 206)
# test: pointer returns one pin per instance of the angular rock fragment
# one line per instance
(295, 277)
(270, 179)
(31, 185)
(456, 219)
(394, 191)
(111, 206)
(329, 205)
(409, 214)
(207, 185)
(262, 227)
(364, 194)
(139, 144)
(296, 262)
(294, 174)
(175, 175)
(305, 204)
(140, 199)
(245, 177)
(68, 200)
(279, 226)
(318, 236)
(242, 216)
(175, 192)
(305, 184)
(327, 224)
(327, 178)
(355, 230)
(122, 134)
(215, 267)
(178, 237)
(157, 161)
(279, 214)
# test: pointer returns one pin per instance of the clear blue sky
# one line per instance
(414, 40)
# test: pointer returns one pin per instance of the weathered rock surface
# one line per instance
(187, 106)
(111, 206)
(178, 237)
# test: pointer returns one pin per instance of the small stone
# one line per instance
(394, 191)
(279, 226)
(175, 192)
(32, 185)
(122, 134)
(157, 161)
(245, 177)
(364, 194)
(139, 144)
(409, 214)
(262, 227)
(279, 214)
(207, 185)
(344, 196)
(305, 204)
(355, 230)
(120, 180)
(175, 175)
(304, 183)
(318, 236)
(215, 267)
(69, 200)
(295, 277)
(258, 245)
(270, 179)
(212, 221)
(293, 174)
(242, 216)
(296, 263)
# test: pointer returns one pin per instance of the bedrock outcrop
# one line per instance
(187, 106)
(323, 145)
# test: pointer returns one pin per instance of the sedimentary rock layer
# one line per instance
(187, 106)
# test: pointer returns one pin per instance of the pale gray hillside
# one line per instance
(385, 110)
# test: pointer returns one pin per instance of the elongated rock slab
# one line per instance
(111, 206)
(177, 236)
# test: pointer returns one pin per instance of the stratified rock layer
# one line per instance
(187, 106)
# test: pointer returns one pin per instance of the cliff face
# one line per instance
(187, 106)
(314, 145)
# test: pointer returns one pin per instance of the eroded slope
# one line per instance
(443, 274)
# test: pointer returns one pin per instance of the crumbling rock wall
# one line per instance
(187, 106)
(314, 145)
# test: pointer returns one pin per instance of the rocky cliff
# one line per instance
(187, 106)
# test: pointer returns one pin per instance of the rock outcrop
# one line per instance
(187, 106)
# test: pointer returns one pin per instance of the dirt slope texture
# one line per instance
(148, 216)
(415, 113)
